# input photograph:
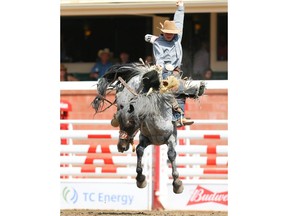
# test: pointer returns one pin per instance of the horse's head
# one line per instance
(129, 126)
(131, 73)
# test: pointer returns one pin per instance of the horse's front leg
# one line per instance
(177, 183)
(140, 178)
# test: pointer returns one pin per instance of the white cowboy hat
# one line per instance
(106, 50)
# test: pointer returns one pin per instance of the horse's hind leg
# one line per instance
(140, 178)
(177, 183)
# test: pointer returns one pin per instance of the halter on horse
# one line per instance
(150, 113)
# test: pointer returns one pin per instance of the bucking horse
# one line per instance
(143, 105)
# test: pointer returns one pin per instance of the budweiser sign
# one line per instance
(202, 195)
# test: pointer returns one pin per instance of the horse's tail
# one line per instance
(98, 101)
(192, 89)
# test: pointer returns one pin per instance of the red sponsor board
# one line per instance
(202, 195)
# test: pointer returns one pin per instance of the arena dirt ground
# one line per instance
(139, 213)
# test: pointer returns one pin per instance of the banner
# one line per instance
(197, 197)
(100, 195)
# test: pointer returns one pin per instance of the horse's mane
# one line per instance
(126, 71)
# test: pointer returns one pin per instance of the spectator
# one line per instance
(64, 76)
(102, 65)
(208, 74)
(201, 61)
(124, 58)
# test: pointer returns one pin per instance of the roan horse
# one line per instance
(150, 113)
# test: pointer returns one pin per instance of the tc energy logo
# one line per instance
(202, 195)
(70, 195)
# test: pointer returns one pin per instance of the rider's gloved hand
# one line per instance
(150, 38)
(179, 3)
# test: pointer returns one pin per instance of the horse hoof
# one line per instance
(178, 186)
(141, 184)
(178, 190)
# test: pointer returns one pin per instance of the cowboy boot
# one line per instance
(182, 121)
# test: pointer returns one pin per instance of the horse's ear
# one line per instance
(131, 108)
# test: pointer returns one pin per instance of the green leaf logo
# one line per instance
(70, 195)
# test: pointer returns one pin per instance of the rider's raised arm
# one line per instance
(179, 16)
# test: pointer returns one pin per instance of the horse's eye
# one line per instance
(131, 108)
